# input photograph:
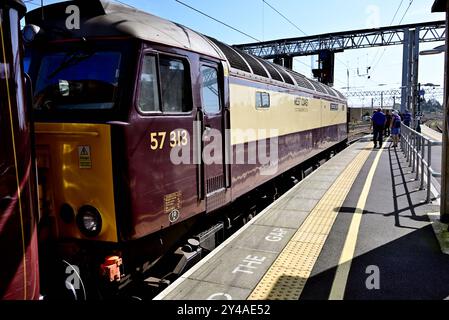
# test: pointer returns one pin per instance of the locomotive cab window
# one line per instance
(262, 100)
(172, 81)
(80, 80)
(149, 92)
(174, 86)
(209, 90)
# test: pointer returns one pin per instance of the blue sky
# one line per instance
(257, 19)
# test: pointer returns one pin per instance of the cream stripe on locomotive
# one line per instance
(288, 113)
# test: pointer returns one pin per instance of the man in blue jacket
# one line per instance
(379, 121)
(407, 118)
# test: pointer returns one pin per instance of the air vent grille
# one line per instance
(284, 74)
(234, 59)
(254, 64)
(274, 74)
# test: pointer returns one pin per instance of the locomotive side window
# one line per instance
(262, 100)
(149, 96)
(174, 85)
(209, 90)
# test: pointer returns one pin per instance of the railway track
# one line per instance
(435, 124)
(357, 132)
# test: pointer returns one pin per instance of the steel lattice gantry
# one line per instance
(388, 98)
(409, 35)
(392, 93)
(339, 41)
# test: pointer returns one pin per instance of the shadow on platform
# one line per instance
(411, 266)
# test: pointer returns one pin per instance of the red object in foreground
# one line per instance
(19, 270)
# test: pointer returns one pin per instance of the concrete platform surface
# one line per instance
(356, 228)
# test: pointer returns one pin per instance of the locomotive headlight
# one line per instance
(89, 221)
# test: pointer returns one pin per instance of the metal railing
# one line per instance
(414, 146)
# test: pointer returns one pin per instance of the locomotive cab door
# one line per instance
(213, 137)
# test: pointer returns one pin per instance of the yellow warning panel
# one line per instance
(84, 157)
(288, 275)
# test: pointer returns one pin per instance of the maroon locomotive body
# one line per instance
(147, 130)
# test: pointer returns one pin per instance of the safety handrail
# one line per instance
(414, 144)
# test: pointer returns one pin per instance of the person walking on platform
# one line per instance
(407, 118)
(388, 123)
(379, 121)
(395, 128)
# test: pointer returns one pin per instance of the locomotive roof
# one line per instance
(440, 6)
(103, 18)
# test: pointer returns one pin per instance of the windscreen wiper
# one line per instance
(69, 61)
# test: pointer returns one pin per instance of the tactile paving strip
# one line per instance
(288, 275)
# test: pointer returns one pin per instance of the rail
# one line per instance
(414, 145)
(356, 131)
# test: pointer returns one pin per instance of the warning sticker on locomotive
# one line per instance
(84, 157)
(172, 202)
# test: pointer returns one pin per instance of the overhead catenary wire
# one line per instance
(403, 16)
(283, 16)
(409, 5)
(391, 23)
(192, 8)
(303, 63)
(263, 22)
(296, 26)
(203, 13)
(125, 4)
(396, 13)
(33, 3)
(293, 24)
(223, 23)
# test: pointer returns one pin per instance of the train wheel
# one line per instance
(247, 218)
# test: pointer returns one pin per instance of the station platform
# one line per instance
(356, 228)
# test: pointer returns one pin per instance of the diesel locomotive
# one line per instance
(19, 268)
(144, 128)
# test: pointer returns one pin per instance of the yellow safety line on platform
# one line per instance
(287, 276)
(344, 264)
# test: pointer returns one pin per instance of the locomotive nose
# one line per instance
(75, 180)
